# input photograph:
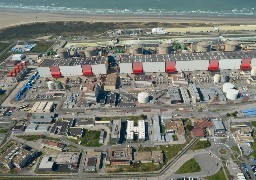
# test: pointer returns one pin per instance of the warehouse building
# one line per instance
(18, 57)
(42, 107)
(156, 129)
(119, 156)
(155, 157)
(111, 82)
(219, 128)
(116, 131)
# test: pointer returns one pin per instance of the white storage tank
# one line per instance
(232, 94)
(227, 86)
(216, 78)
(50, 85)
(253, 71)
(143, 97)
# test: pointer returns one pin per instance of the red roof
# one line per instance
(245, 64)
(137, 68)
(198, 132)
(51, 143)
(170, 66)
(137, 65)
(55, 69)
(203, 124)
(214, 65)
(87, 68)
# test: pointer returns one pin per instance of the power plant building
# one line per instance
(157, 67)
(139, 64)
(126, 68)
(71, 70)
(212, 61)
(192, 65)
(57, 68)
(44, 72)
(230, 64)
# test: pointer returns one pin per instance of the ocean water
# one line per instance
(147, 7)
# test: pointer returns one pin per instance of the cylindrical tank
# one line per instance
(143, 97)
(216, 78)
(164, 48)
(62, 53)
(231, 46)
(253, 71)
(50, 85)
(232, 94)
(227, 86)
(136, 49)
(224, 77)
(203, 46)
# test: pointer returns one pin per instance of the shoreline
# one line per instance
(10, 18)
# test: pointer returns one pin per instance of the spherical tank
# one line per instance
(50, 85)
(227, 86)
(231, 46)
(232, 94)
(164, 48)
(143, 97)
(216, 78)
(62, 53)
(136, 49)
(203, 46)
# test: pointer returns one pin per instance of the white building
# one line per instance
(158, 30)
(139, 130)
(18, 57)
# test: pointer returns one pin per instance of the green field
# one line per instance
(218, 176)
(3, 131)
(253, 154)
(171, 151)
(253, 123)
(191, 166)
(175, 137)
(201, 145)
(3, 46)
(91, 138)
(67, 29)
(41, 46)
(36, 137)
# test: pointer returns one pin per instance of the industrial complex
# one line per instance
(137, 105)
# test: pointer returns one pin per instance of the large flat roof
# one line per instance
(72, 61)
(187, 56)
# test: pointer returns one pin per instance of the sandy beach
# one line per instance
(15, 18)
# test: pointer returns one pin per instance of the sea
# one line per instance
(137, 7)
